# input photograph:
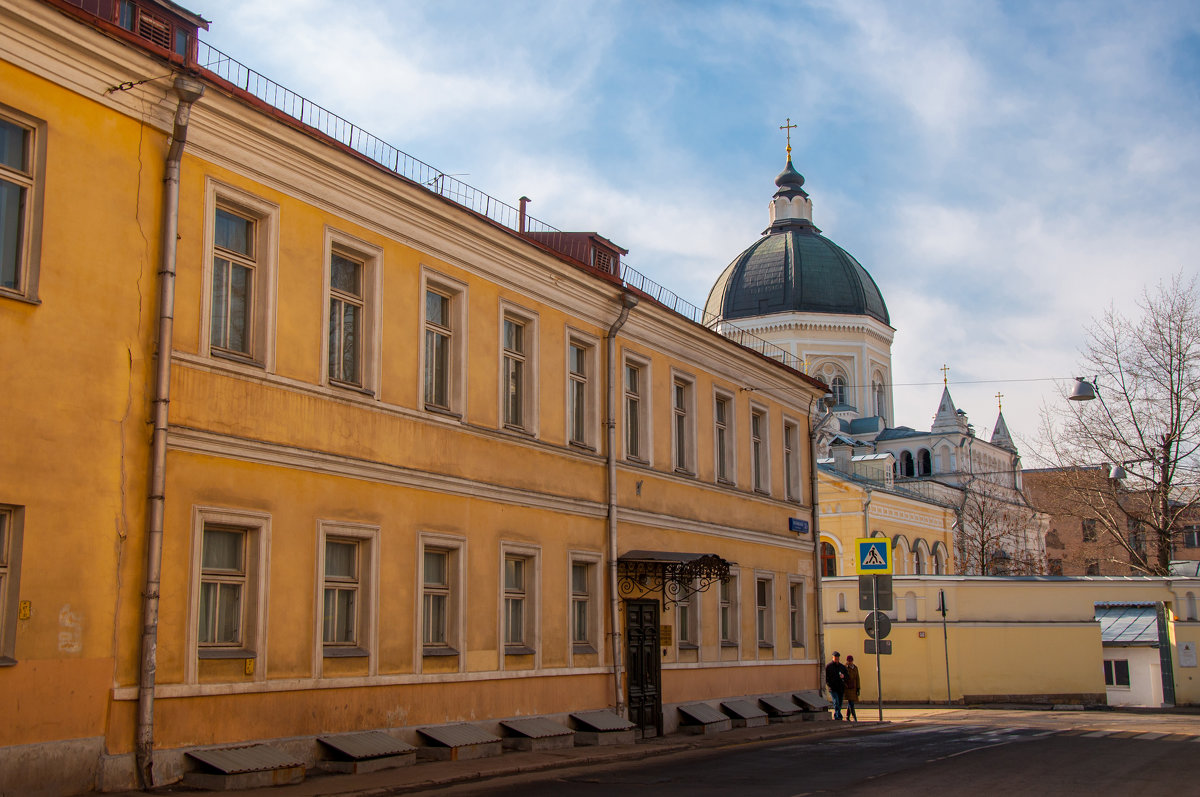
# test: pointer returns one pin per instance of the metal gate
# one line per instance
(643, 666)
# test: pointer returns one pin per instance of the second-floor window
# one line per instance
(235, 280)
(438, 339)
(791, 462)
(634, 409)
(758, 450)
(514, 373)
(721, 439)
(341, 596)
(681, 411)
(346, 312)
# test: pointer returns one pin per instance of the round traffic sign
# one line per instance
(878, 625)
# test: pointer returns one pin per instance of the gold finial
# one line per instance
(945, 369)
(1000, 401)
(789, 127)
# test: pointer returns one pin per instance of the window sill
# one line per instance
(7, 661)
(518, 650)
(352, 388)
(766, 645)
(691, 474)
(760, 491)
(438, 650)
(226, 653)
(582, 647)
(582, 446)
(19, 297)
(637, 462)
(332, 652)
(726, 482)
(520, 431)
(443, 411)
(726, 644)
(241, 359)
(798, 646)
(688, 646)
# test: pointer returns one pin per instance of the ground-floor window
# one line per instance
(1116, 672)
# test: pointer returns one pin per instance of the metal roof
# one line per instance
(779, 705)
(246, 758)
(742, 709)
(537, 727)
(368, 744)
(602, 720)
(457, 734)
(1128, 624)
(702, 713)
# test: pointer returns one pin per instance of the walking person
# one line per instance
(835, 679)
(853, 684)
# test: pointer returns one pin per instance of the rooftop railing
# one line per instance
(401, 163)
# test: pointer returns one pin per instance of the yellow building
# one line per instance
(405, 460)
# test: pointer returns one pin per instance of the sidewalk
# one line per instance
(431, 774)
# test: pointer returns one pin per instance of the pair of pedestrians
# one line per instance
(843, 683)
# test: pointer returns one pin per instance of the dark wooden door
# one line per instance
(643, 666)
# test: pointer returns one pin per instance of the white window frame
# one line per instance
(594, 610)
(729, 427)
(530, 644)
(764, 613)
(683, 423)
(588, 390)
(644, 416)
(1110, 674)
(797, 612)
(12, 528)
(728, 605)
(257, 527)
(31, 179)
(456, 369)
(760, 450)
(792, 461)
(265, 216)
(366, 643)
(371, 259)
(527, 359)
(455, 549)
(687, 621)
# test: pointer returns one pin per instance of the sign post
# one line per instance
(874, 558)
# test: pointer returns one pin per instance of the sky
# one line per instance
(1006, 171)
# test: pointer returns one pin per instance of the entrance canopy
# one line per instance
(676, 575)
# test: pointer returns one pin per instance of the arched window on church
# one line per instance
(880, 397)
(906, 464)
(828, 560)
(939, 559)
(838, 387)
(924, 463)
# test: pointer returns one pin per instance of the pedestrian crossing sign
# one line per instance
(873, 556)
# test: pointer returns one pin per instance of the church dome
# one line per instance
(793, 268)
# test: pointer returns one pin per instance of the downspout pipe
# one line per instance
(628, 302)
(188, 91)
(814, 430)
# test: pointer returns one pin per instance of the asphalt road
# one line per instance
(920, 760)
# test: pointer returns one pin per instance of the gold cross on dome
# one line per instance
(789, 127)
(945, 369)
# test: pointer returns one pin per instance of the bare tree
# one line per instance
(996, 532)
(1146, 374)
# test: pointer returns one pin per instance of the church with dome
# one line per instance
(802, 293)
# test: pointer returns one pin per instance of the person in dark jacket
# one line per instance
(853, 683)
(835, 679)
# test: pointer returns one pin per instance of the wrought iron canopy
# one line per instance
(677, 576)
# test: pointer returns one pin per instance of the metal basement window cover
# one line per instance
(457, 734)
(743, 709)
(702, 713)
(249, 758)
(602, 720)
(779, 705)
(812, 701)
(537, 727)
(365, 745)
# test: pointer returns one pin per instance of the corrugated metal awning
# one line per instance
(743, 709)
(368, 744)
(779, 705)
(457, 734)
(246, 758)
(537, 727)
(602, 720)
(812, 700)
(1128, 624)
(702, 713)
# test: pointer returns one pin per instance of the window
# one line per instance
(636, 400)
(796, 613)
(728, 610)
(442, 595)
(520, 611)
(838, 388)
(683, 427)
(924, 462)
(518, 356)
(687, 620)
(1116, 672)
(581, 391)
(22, 175)
(11, 527)
(351, 350)
(242, 243)
(443, 355)
(763, 615)
(758, 451)
(585, 618)
(880, 394)
(723, 438)
(346, 558)
(1055, 567)
(1089, 529)
(229, 587)
(1092, 568)
(828, 559)
(791, 461)
(1191, 537)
